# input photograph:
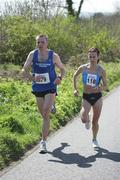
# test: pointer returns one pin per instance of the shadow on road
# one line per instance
(79, 160)
(72, 158)
(104, 153)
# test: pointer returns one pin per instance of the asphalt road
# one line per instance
(71, 156)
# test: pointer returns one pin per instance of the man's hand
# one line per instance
(57, 81)
(24, 75)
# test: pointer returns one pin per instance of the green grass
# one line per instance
(20, 121)
(9, 67)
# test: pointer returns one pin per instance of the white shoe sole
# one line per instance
(95, 145)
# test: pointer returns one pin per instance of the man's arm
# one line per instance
(25, 72)
(60, 66)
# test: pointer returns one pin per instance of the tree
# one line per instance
(71, 10)
(34, 9)
(79, 9)
(70, 7)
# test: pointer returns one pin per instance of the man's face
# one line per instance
(41, 43)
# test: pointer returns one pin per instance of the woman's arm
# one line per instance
(103, 86)
(75, 76)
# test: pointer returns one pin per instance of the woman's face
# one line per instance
(93, 57)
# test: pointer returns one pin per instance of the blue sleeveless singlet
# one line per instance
(92, 79)
(46, 72)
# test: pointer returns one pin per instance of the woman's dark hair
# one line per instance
(95, 50)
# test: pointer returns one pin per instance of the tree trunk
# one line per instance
(70, 7)
(79, 9)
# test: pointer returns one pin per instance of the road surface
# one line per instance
(71, 156)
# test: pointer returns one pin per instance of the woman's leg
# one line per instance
(84, 113)
(97, 107)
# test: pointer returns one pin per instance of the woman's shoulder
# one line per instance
(84, 65)
(101, 70)
(101, 67)
(82, 68)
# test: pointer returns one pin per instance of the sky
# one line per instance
(93, 6)
(90, 6)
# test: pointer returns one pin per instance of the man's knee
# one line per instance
(46, 114)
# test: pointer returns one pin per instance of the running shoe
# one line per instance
(88, 124)
(95, 143)
(53, 109)
(43, 148)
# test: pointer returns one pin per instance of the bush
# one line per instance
(67, 37)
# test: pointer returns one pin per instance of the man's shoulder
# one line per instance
(51, 51)
(33, 51)
(55, 55)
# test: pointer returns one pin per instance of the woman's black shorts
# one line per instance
(92, 98)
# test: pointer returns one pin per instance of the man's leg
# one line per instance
(40, 103)
(44, 106)
(48, 101)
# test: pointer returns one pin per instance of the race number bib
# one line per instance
(42, 78)
(91, 80)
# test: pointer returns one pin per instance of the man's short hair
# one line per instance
(42, 35)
